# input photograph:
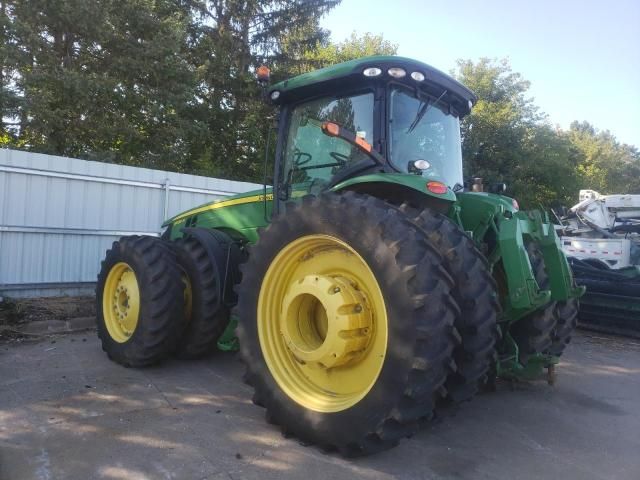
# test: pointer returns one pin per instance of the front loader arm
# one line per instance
(503, 232)
(524, 293)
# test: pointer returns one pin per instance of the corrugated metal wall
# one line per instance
(58, 216)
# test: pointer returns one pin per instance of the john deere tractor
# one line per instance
(371, 288)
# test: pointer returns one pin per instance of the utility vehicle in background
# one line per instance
(370, 288)
(601, 237)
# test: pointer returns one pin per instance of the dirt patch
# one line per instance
(24, 310)
(9, 312)
(34, 318)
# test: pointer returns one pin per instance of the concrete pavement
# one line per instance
(67, 412)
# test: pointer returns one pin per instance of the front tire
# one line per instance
(533, 333)
(566, 315)
(345, 323)
(139, 301)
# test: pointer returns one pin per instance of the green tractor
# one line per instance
(370, 287)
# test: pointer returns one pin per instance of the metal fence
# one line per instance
(58, 216)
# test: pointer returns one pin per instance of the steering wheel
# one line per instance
(298, 158)
(340, 158)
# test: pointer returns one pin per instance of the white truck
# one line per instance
(601, 237)
(603, 227)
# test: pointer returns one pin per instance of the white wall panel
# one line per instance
(58, 216)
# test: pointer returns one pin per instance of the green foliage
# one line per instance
(103, 80)
(159, 83)
(602, 162)
(506, 138)
(170, 84)
(324, 54)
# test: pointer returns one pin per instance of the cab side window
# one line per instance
(313, 158)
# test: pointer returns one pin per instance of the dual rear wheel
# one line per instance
(349, 322)
(138, 318)
(156, 298)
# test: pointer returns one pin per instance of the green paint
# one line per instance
(239, 219)
(509, 367)
(228, 342)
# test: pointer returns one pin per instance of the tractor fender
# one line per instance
(399, 188)
(225, 257)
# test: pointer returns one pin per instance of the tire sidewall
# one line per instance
(116, 255)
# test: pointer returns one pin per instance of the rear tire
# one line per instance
(208, 316)
(475, 293)
(139, 301)
(416, 300)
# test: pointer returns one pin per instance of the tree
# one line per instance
(10, 100)
(228, 41)
(506, 137)
(103, 79)
(326, 53)
(160, 83)
(603, 163)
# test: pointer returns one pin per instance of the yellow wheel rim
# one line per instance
(121, 302)
(322, 323)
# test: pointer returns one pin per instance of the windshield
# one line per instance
(420, 130)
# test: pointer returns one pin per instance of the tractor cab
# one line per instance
(373, 115)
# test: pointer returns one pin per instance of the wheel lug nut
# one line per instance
(358, 308)
(336, 289)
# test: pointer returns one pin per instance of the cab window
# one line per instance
(312, 158)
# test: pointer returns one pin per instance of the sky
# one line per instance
(581, 57)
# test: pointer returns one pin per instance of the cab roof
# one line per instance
(344, 75)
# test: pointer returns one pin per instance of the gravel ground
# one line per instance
(67, 412)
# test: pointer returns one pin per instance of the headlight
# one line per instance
(417, 76)
(371, 72)
(275, 95)
(396, 72)
(421, 164)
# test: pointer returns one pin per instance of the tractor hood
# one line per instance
(239, 199)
